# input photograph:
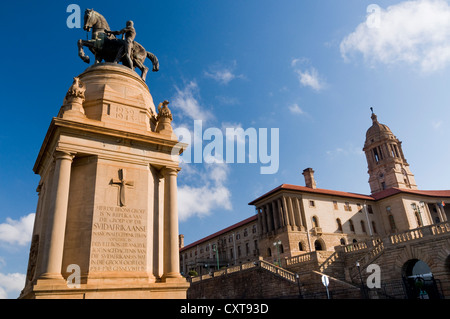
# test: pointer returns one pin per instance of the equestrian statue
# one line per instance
(106, 46)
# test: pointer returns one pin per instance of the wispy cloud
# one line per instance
(349, 150)
(308, 76)
(416, 33)
(223, 74)
(295, 109)
(186, 100)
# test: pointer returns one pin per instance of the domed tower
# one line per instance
(387, 166)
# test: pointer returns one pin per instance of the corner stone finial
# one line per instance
(164, 120)
(76, 91)
(164, 111)
(73, 101)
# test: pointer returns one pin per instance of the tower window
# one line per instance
(395, 150)
(375, 154)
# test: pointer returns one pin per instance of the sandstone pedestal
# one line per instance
(107, 217)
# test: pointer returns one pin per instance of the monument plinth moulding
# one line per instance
(107, 194)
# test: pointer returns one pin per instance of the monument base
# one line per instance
(49, 289)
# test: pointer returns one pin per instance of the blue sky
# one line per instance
(312, 69)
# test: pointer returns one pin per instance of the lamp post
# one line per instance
(277, 244)
(299, 290)
(360, 277)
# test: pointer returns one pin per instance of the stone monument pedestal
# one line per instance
(107, 218)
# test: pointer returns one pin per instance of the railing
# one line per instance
(355, 247)
(441, 228)
(278, 271)
(418, 233)
(406, 236)
(283, 273)
(298, 259)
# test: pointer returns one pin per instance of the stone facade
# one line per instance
(231, 246)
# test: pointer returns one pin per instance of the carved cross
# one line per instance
(122, 183)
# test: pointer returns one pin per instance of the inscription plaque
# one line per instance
(119, 239)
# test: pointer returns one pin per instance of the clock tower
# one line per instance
(387, 165)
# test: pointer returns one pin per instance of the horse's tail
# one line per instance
(154, 60)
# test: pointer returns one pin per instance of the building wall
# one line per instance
(235, 246)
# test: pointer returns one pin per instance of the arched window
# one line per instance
(374, 228)
(343, 243)
(269, 252)
(315, 221)
(405, 178)
(339, 224)
(300, 246)
(363, 227)
(318, 245)
(352, 227)
(281, 249)
(392, 223)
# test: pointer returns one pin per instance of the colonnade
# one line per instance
(282, 212)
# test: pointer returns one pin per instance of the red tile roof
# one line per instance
(312, 190)
(380, 195)
(220, 232)
(393, 191)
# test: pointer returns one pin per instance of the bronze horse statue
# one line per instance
(106, 46)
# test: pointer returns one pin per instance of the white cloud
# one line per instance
(17, 231)
(187, 101)
(295, 109)
(310, 78)
(412, 32)
(307, 75)
(212, 194)
(11, 285)
(223, 74)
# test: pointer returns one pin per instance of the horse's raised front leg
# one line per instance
(81, 53)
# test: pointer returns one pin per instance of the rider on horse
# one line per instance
(130, 34)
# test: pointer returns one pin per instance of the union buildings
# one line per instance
(294, 220)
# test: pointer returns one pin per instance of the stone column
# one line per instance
(269, 218)
(439, 212)
(57, 216)
(444, 215)
(275, 215)
(264, 219)
(171, 254)
(291, 212)
(286, 212)
(280, 214)
(300, 215)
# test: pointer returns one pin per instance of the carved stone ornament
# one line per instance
(76, 90)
